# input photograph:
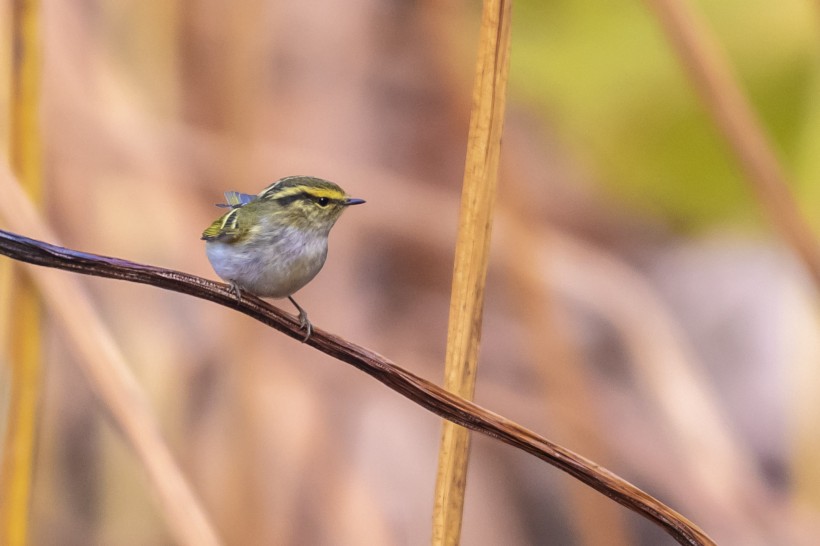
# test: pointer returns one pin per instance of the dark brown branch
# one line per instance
(420, 391)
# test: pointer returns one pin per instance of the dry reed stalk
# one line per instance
(23, 305)
(472, 250)
(6, 59)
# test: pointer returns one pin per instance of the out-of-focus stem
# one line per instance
(733, 115)
(23, 311)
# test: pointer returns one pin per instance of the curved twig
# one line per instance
(422, 392)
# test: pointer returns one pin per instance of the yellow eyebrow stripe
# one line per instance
(325, 192)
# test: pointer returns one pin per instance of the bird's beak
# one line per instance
(353, 201)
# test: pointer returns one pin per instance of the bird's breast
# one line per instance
(273, 266)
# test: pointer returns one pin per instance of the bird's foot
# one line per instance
(304, 322)
(236, 290)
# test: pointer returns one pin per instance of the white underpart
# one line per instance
(273, 267)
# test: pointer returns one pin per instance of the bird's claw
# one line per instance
(304, 322)
(236, 290)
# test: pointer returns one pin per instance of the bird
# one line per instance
(275, 242)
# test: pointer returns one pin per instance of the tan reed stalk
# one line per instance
(470, 269)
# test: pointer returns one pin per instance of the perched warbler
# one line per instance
(274, 243)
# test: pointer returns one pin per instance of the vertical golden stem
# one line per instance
(6, 56)
(472, 249)
(24, 310)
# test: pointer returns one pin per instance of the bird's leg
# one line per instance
(303, 319)
(236, 290)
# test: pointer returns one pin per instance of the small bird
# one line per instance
(274, 243)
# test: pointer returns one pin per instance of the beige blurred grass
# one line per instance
(566, 383)
(109, 376)
(733, 115)
(254, 418)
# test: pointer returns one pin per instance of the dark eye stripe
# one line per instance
(323, 201)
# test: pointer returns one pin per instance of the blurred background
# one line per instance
(640, 309)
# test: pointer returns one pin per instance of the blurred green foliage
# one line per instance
(604, 76)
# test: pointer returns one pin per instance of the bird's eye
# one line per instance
(323, 201)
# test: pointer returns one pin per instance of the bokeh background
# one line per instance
(640, 311)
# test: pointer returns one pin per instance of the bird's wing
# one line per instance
(225, 228)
